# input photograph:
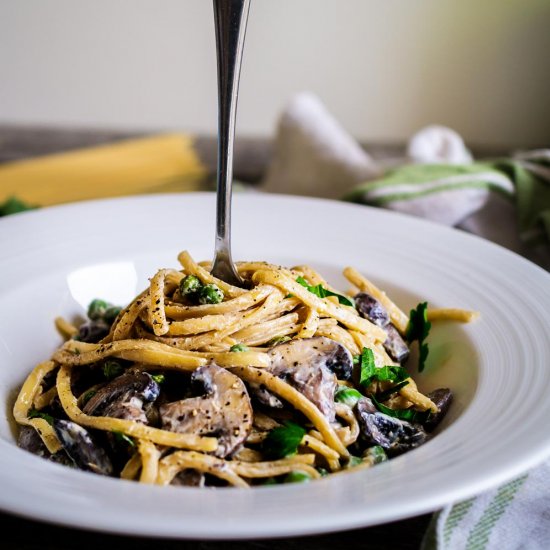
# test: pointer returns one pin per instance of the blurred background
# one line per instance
(383, 68)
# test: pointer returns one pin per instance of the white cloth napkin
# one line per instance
(315, 156)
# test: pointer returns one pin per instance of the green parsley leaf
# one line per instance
(87, 396)
(33, 413)
(283, 440)
(158, 378)
(322, 292)
(13, 205)
(418, 329)
(278, 340)
(123, 438)
(239, 347)
(370, 372)
(382, 396)
(112, 369)
(403, 414)
(367, 366)
(347, 396)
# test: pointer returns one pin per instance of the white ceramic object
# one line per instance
(54, 260)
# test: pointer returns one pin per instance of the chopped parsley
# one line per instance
(347, 396)
(158, 378)
(283, 440)
(87, 396)
(33, 413)
(322, 292)
(370, 372)
(112, 369)
(382, 396)
(418, 329)
(278, 340)
(123, 438)
(239, 347)
(403, 414)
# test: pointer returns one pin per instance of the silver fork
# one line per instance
(230, 20)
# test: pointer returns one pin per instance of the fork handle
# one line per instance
(230, 18)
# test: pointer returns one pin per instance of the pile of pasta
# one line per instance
(158, 332)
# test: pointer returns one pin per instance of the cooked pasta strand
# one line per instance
(222, 431)
(398, 318)
(297, 400)
(452, 314)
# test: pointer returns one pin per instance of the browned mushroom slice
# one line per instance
(442, 398)
(395, 345)
(395, 435)
(29, 440)
(310, 364)
(82, 448)
(224, 411)
(370, 308)
(124, 397)
(264, 396)
(189, 478)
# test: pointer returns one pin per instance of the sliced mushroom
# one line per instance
(395, 345)
(394, 435)
(223, 411)
(30, 441)
(82, 448)
(124, 397)
(370, 308)
(264, 396)
(189, 478)
(311, 365)
(93, 331)
(442, 398)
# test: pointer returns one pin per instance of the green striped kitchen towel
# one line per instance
(512, 517)
(449, 193)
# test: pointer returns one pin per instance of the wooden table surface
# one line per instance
(18, 533)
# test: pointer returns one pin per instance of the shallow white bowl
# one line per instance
(54, 261)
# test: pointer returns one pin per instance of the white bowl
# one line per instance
(55, 260)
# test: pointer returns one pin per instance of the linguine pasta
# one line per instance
(197, 382)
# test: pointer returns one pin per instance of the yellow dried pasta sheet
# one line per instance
(162, 163)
